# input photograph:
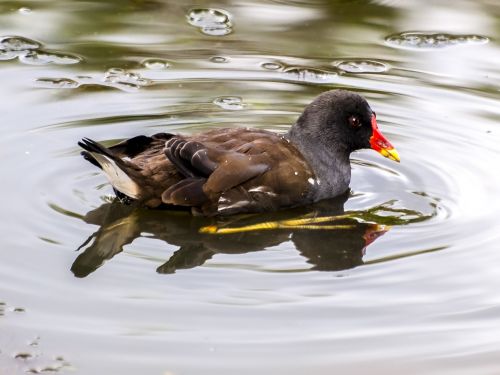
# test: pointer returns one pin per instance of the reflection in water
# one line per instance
(329, 245)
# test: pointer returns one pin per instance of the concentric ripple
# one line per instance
(402, 276)
(402, 204)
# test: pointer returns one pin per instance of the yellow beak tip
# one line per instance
(390, 154)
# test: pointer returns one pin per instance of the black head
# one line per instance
(342, 119)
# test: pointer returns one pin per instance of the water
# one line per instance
(147, 293)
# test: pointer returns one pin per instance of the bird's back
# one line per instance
(239, 170)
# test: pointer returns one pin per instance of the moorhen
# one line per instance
(240, 170)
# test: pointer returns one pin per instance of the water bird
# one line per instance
(240, 170)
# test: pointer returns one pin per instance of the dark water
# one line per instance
(148, 293)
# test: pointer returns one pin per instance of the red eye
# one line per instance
(354, 121)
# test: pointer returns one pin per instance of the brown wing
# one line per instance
(237, 170)
(286, 183)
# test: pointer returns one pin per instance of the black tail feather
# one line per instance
(92, 146)
(133, 146)
(88, 156)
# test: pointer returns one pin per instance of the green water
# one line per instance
(90, 286)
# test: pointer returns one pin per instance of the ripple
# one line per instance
(213, 22)
(231, 103)
(361, 66)
(156, 64)
(430, 41)
(311, 75)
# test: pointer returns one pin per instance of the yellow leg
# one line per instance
(314, 220)
(304, 223)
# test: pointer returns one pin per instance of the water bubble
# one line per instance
(41, 57)
(132, 76)
(115, 71)
(113, 75)
(61, 83)
(216, 30)
(142, 81)
(156, 64)
(311, 75)
(361, 66)
(25, 10)
(219, 59)
(231, 103)
(18, 43)
(7, 55)
(30, 52)
(204, 17)
(63, 58)
(24, 356)
(426, 41)
(214, 22)
(271, 66)
(31, 57)
(121, 79)
(51, 369)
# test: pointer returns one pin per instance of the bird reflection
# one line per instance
(328, 245)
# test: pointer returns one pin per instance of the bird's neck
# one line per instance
(330, 163)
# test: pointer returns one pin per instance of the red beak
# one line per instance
(373, 232)
(380, 144)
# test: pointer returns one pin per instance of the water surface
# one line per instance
(406, 281)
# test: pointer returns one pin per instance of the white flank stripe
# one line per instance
(117, 177)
